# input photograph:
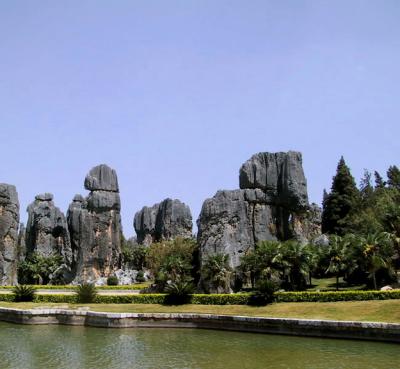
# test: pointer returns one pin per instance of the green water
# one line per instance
(47, 347)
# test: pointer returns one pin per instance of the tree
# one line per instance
(216, 273)
(378, 251)
(379, 182)
(295, 259)
(340, 202)
(338, 257)
(366, 188)
(262, 263)
(171, 260)
(393, 175)
(38, 269)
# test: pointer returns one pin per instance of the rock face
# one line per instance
(164, 221)
(271, 204)
(279, 175)
(21, 243)
(47, 231)
(9, 221)
(95, 226)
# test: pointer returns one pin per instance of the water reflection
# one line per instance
(33, 347)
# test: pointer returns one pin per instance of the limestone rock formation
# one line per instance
(9, 221)
(47, 231)
(163, 221)
(279, 175)
(306, 225)
(272, 204)
(95, 226)
(21, 242)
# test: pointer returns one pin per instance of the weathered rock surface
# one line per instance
(95, 226)
(279, 175)
(102, 178)
(9, 221)
(272, 204)
(163, 221)
(307, 225)
(47, 231)
(21, 242)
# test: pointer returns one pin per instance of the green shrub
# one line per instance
(23, 293)
(264, 293)
(112, 281)
(217, 299)
(140, 277)
(332, 296)
(131, 299)
(136, 286)
(86, 293)
(38, 269)
(59, 298)
(179, 292)
(7, 297)
(221, 299)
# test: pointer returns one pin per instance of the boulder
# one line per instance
(163, 221)
(95, 227)
(271, 204)
(46, 230)
(9, 221)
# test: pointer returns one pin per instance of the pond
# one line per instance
(26, 347)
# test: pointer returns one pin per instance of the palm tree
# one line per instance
(378, 253)
(263, 262)
(338, 251)
(295, 259)
(216, 271)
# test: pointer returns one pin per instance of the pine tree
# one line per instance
(366, 188)
(379, 182)
(340, 202)
(393, 175)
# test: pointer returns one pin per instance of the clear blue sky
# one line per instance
(176, 95)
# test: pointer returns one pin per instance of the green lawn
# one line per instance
(329, 284)
(377, 311)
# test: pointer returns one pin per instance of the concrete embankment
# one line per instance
(299, 327)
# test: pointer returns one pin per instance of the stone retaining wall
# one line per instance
(299, 327)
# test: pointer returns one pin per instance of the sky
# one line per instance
(176, 95)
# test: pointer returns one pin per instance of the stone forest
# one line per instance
(265, 231)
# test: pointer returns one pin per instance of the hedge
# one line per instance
(198, 299)
(221, 299)
(331, 296)
(138, 286)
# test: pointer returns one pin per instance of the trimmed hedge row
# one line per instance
(154, 298)
(8, 297)
(138, 286)
(331, 296)
(220, 299)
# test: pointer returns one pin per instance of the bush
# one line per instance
(264, 293)
(221, 299)
(86, 293)
(38, 269)
(112, 281)
(171, 260)
(179, 292)
(23, 293)
(7, 297)
(140, 277)
(336, 296)
(66, 299)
